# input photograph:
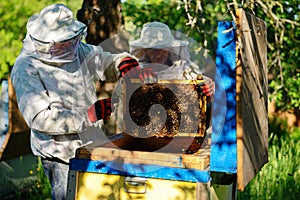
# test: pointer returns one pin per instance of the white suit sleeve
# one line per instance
(104, 64)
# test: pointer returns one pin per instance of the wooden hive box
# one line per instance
(160, 151)
(175, 158)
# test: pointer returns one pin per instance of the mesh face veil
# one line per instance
(64, 51)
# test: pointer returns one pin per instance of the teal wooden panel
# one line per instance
(223, 148)
(140, 170)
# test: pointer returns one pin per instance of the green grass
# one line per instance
(40, 190)
(280, 177)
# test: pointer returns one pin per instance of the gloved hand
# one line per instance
(207, 87)
(129, 68)
(101, 109)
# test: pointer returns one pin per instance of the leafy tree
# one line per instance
(14, 15)
(283, 58)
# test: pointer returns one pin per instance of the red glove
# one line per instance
(129, 68)
(207, 87)
(101, 109)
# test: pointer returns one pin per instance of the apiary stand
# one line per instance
(239, 141)
(168, 168)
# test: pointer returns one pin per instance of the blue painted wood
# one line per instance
(223, 146)
(140, 170)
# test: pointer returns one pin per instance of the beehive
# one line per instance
(165, 109)
(239, 138)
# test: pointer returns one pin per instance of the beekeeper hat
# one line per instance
(156, 35)
(55, 23)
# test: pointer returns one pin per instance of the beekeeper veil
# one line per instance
(53, 35)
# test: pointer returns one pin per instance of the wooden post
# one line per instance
(72, 185)
(202, 191)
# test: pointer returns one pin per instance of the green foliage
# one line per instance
(14, 15)
(136, 14)
(202, 18)
(287, 91)
(32, 186)
(278, 127)
(283, 23)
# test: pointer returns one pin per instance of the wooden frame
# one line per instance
(202, 101)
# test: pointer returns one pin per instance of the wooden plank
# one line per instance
(251, 96)
(140, 170)
(16, 119)
(171, 81)
(197, 161)
(132, 154)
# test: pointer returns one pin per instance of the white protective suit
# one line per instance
(54, 97)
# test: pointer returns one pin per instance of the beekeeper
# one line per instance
(167, 57)
(156, 48)
(54, 78)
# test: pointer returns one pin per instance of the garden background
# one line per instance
(280, 177)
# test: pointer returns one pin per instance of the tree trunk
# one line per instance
(105, 24)
(102, 17)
